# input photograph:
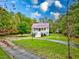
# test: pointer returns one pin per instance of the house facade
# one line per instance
(40, 29)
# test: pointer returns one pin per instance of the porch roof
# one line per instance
(40, 25)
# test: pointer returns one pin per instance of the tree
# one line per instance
(11, 23)
(73, 21)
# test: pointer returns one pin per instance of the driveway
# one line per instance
(18, 53)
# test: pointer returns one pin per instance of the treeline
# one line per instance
(11, 23)
(70, 22)
(67, 23)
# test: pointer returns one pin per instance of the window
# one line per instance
(39, 29)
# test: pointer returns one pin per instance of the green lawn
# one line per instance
(46, 49)
(61, 37)
(56, 37)
(3, 55)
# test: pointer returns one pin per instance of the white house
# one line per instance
(40, 29)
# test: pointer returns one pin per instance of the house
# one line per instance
(40, 29)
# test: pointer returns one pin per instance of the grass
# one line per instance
(61, 37)
(75, 40)
(3, 55)
(56, 37)
(48, 50)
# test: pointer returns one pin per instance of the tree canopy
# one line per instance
(72, 18)
(14, 23)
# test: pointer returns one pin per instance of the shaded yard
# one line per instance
(3, 55)
(48, 50)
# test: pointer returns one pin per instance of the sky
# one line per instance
(37, 8)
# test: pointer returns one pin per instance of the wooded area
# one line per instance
(11, 23)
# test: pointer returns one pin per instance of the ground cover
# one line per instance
(3, 55)
(62, 38)
(48, 50)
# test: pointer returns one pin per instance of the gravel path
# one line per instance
(18, 53)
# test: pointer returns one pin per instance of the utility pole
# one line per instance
(68, 31)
